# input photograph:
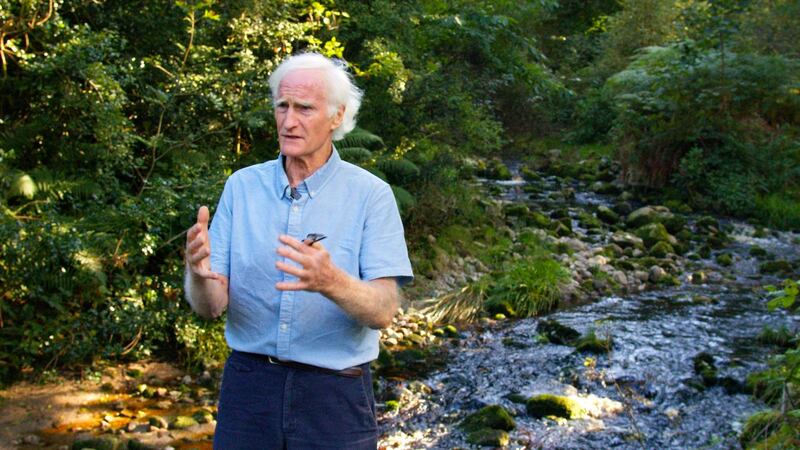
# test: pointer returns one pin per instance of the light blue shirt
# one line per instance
(353, 208)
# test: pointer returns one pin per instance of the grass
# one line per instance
(778, 210)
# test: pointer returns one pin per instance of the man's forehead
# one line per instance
(303, 82)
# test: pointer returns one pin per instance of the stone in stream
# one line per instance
(493, 417)
(557, 333)
(780, 267)
(724, 259)
(647, 215)
(758, 252)
(488, 437)
(655, 232)
(554, 405)
(627, 240)
(182, 422)
(590, 343)
(607, 215)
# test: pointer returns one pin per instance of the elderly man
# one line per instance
(303, 317)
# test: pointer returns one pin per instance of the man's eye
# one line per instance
(281, 106)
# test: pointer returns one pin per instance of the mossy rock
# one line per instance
(538, 220)
(654, 232)
(492, 416)
(487, 437)
(392, 405)
(590, 343)
(724, 259)
(759, 426)
(530, 174)
(516, 210)
(182, 422)
(661, 249)
(554, 405)
(103, 443)
(674, 224)
(589, 221)
(557, 333)
(607, 215)
(516, 397)
(758, 252)
(705, 368)
(647, 215)
(135, 444)
(780, 266)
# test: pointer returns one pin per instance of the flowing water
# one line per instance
(644, 394)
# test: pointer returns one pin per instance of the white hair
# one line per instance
(341, 90)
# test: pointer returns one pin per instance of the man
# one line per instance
(303, 316)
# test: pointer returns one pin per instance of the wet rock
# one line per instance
(627, 240)
(554, 405)
(557, 333)
(590, 343)
(652, 233)
(182, 422)
(657, 274)
(158, 422)
(203, 416)
(607, 215)
(491, 417)
(724, 259)
(661, 249)
(705, 368)
(104, 443)
(780, 266)
(648, 215)
(698, 277)
(707, 224)
(758, 252)
(488, 437)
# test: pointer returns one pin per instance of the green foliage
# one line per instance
(399, 171)
(530, 286)
(355, 155)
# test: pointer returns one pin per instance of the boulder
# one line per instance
(487, 437)
(182, 422)
(655, 232)
(607, 215)
(780, 266)
(590, 343)
(647, 215)
(627, 240)
(554, 405)
(661, 249)
(493, 417)
(557, 333)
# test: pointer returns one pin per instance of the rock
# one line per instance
(698, 277)
(780, 266)
(705, 368)
(492, 417)
(554, 405)
(654, 232)
(661, 249)
(657, 274)
(607, 215)
(203, 416)
(647, 215)
(557, 333)
(590, 343)
(158, 422)
(32, 439)
(104, 443)
(707, 224)
(182, 422)
(758, 252)
(488, 437)
(724, 259)
(627, 240)
(135, 444)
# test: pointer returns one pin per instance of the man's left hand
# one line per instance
(316, 273)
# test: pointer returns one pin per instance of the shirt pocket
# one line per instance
(344, 253)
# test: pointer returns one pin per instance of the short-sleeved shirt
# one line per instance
(353, 208)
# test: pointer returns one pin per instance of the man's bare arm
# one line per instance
(371, 303)
(206, 291)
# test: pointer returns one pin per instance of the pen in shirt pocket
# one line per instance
(311, 238)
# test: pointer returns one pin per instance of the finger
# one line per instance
(291, 286)
(295, 256)
(291, 270)
(292, 242)
(202, 216)
(208, 275)
(195, 244)
(192, 232)
(195, 258)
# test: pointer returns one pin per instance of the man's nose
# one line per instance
(290, 120)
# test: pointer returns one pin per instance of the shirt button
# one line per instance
(284, 327)
(295, 209)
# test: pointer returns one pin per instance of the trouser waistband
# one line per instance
(352, 372)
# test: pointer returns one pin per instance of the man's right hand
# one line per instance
(198, 248)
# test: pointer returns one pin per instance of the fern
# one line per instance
(355, 155)
(360, 137)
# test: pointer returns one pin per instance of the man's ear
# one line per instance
(338, 118)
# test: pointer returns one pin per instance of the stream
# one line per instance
(644, 394)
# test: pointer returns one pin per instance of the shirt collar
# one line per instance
(313, 184)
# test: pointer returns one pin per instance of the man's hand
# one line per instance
(198, 248)
(205, 290)
(317, 272)
(371, 303)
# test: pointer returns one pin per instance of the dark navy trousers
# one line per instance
(267, 406)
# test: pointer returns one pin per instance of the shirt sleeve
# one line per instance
(220, 232)
(383, 245)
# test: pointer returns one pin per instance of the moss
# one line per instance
(776, 267)
(590, 343)
(492, 416)
(557, 333)
(758, 252)
(724, 259)
(607, 215)
(653, 233)
(554, 405)
(704, 367)
(488, 437)
(661, 249)
(181, 422)
(392, 405)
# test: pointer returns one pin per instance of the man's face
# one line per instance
(301, 114)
